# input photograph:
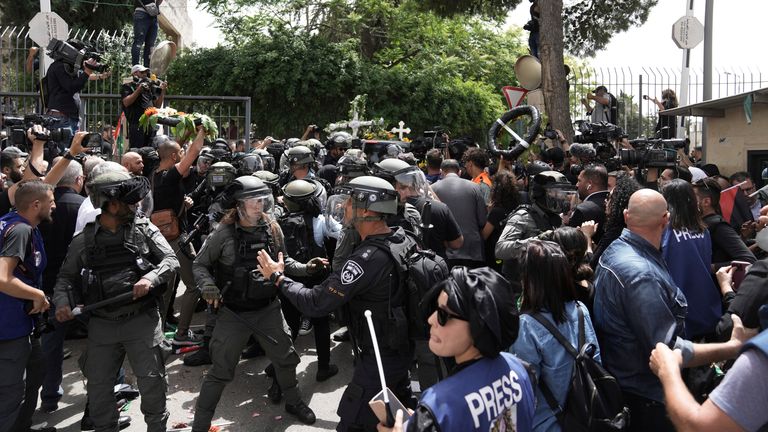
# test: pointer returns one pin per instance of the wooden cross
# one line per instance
(401, 130)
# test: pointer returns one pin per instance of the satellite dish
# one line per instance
(528, 71)
(161, 57)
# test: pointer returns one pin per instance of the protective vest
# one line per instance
(488, 395)
(112, 265)
(390, 318)
(483, 177)
(299, 236)
(14, 320)
(243, 287)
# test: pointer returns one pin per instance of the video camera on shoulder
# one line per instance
(652, 153)
(434, 138)
(75, 53)
(593, 133)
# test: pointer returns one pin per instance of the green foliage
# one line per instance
(589, 25)
(86, 14)
(414, 66)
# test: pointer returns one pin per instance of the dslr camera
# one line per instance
(75, 53)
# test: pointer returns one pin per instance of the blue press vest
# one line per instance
(14, 321)
(483, 396)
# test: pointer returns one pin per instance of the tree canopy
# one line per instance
(82, 14)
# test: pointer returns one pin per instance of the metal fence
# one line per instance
(100, 100)
(637, 116)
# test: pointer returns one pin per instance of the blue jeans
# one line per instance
(144, 35)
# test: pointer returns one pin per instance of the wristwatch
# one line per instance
(275, 276)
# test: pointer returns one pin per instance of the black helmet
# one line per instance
(117, 185)
(246, 189)
(300, 155)
(553, 191)
(266, 158)
(249, 164)
(339, 139)
(221, 174)
(303, 195)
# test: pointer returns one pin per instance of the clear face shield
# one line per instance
(411, 182)
(256, 210)
(334, 212)
(561, 198)
(203, 163)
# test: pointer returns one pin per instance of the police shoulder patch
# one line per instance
(351, 272)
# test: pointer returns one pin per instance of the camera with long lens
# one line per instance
(75, 54)
(52, 136)
(151, 86)
(602, 132)
(652, 153)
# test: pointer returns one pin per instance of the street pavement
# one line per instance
(244, 401)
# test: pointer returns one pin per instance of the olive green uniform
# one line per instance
(101, 264)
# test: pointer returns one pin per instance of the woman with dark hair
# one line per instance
(504, 200)
(475, 321)
(574, 244)
(727, 245)
(548, 294)
(615, 204)
(687, 250)
(665, 127)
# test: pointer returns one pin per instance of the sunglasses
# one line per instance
(443, 316)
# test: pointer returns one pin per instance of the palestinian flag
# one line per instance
(734, 206)
(117, 149)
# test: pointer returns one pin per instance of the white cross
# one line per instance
(355, 124)
(401, 130)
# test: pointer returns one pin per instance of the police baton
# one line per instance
(385, 392)
(100, 304)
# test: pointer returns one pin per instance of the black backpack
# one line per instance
(613, 109)
(419, 270)
(594, 401)
(298, 236)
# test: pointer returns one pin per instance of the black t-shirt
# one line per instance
(168, 190)
(17, 241)
(134, 111)
(5, 202)
(444, 225)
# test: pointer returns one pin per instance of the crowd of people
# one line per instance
(276, 238)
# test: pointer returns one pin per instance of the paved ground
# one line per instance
(244, 401)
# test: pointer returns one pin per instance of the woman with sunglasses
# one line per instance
(549, 293)
(474, 322)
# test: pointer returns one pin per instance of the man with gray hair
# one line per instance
(57, 235)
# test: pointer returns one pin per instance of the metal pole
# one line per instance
(684, 76)
(248, 124)
(640, 108)
(45, 5)
(708, 24)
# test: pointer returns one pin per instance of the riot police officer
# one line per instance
(367, 280)
(125, 259)
(304, 229)
(551, 195)
(224, 271)
(301, 161)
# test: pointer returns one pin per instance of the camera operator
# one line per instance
(137, 96)
(606, 107)
(63, 88)
(666, 127)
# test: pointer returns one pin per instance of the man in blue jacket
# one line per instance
(22, 261)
